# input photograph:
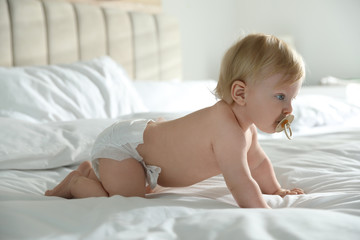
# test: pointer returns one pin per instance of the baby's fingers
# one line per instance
(296, 191)
(283, 192)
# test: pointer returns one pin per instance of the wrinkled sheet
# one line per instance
(326, 165)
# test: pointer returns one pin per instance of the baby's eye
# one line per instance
(280, 96)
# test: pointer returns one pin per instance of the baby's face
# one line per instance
(267, 103)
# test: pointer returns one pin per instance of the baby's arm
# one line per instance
(231, 154)
(263, 172)
(264, 175)
(244, 188)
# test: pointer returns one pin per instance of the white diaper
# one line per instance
(119, 142)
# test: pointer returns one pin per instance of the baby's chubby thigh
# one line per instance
(126, 177)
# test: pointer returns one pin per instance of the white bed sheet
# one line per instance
(326, 166)
(37, 150)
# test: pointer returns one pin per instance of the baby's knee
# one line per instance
(75, 175)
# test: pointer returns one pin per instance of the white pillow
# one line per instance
(185, 96)
(92, 89)
(317, 111)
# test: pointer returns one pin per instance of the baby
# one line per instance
(259, 77)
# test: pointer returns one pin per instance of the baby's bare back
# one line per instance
(182, 148)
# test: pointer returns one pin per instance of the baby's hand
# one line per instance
(283, 192)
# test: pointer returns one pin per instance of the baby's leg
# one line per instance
(86, 170)
(125, 178)
(80, 183)
(63, 188)
(83, 187)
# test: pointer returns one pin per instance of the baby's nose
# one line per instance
(288, 109)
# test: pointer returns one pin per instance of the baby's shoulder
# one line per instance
(225, 120)
(226, 130)
(222, 110)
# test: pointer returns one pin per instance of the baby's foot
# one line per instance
(63, 189)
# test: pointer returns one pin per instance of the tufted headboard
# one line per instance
(42, 32)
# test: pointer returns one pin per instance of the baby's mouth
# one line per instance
(280, 119)
(284, 124)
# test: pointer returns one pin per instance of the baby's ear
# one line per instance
(238, 89)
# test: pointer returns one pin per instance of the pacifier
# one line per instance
(285, 125)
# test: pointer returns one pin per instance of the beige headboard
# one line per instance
(41, 32)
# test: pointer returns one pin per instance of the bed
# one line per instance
(71, 69)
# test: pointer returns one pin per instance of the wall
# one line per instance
(325, 32)
(207, 28)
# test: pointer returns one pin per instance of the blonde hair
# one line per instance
(256, 57)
